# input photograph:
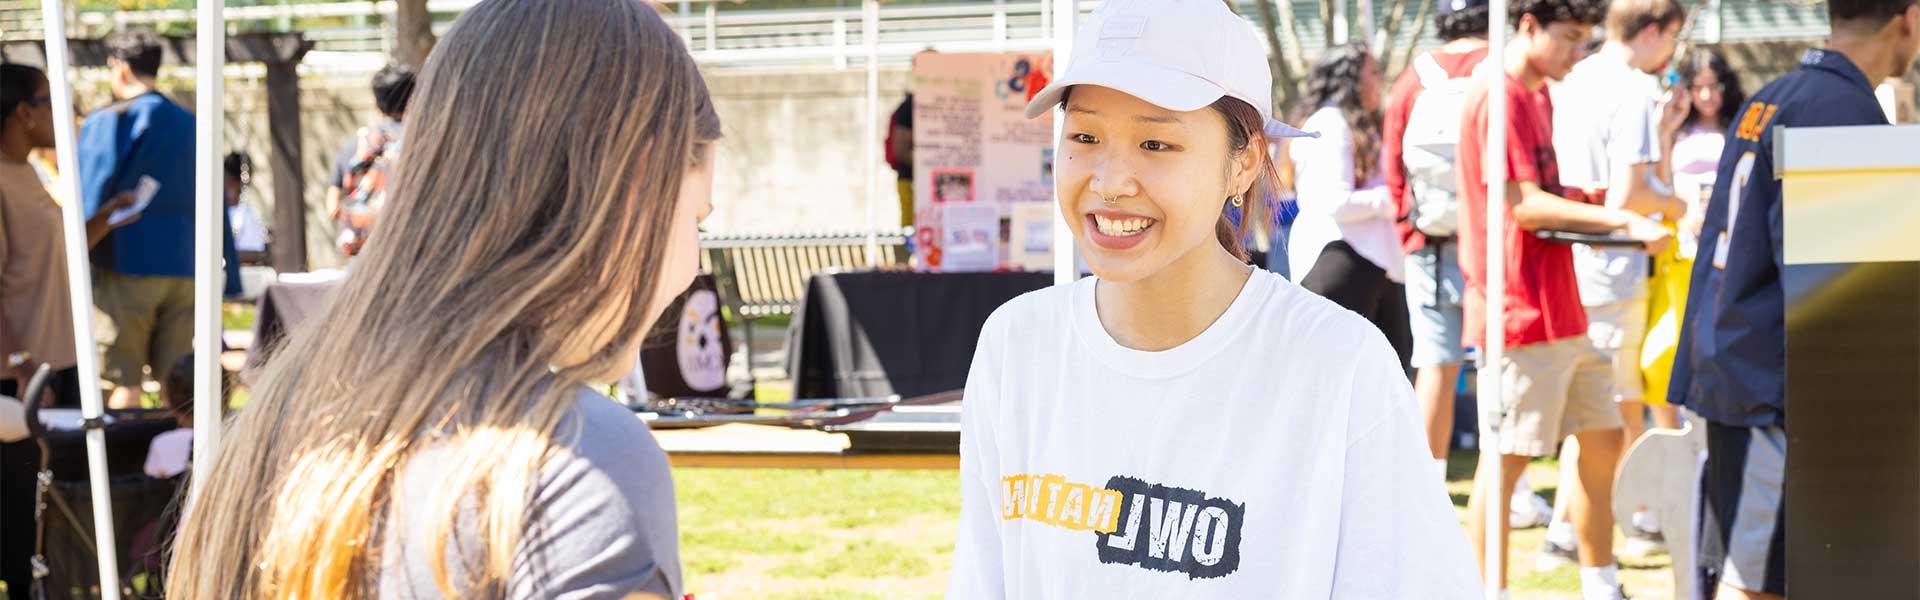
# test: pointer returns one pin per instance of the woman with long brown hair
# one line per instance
(432, 434)
(1344, 244)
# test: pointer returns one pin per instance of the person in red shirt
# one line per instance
(1434, 285)
(1553, 382)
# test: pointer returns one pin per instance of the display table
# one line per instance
(293, 299)
(762, 446)
(879, 333)
(1851, 287)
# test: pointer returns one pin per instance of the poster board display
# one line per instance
(1851, 287)
(1031, 241)
(976, 156)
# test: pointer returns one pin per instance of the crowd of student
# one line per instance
(1616, 135)
(141, 260)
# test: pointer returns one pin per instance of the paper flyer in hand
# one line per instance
(142, 196)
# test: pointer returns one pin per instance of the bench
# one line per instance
(765, 275)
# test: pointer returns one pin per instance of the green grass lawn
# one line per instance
(791, 534)
(794, 535)
(237, 316)
(830, 534)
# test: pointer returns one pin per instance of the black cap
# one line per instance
(1449, 6)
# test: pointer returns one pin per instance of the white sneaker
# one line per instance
(1554, 555)
(1529, 511)
(1641, 544)
(1645, 522)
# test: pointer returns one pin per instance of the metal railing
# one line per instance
(357, 35)
(358, 31)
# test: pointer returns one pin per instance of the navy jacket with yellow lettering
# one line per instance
(1730, 367)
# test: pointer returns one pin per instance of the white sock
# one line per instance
(1645, 521)
(1561, 533)
(1599, 583)
(1520, 488)
(1440, 464)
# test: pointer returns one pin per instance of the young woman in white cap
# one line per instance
(1115, 444)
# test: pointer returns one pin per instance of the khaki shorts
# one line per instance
(142, 322)
(1618, 330)
(1552, 390)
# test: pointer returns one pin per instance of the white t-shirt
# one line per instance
(1696, 165)
(1606, 118)
(249, 232)
(1275, 455)
(1696, 160)
(1332, 208)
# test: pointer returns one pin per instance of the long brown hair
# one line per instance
(1335, 82)
(545, 148)
(1246, 132)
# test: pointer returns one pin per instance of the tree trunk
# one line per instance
(1291, 34)
(1326, 23)
(1413, 41)
(1284, 80)
(1382, 44)
(412, 33)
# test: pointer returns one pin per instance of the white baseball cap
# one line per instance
(1180, 55)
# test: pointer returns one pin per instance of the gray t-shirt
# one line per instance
(1606, 118)
(601, 524)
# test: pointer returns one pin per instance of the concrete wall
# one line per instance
(793, 159)
(332, 109)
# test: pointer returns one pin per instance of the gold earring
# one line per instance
(1237, 200)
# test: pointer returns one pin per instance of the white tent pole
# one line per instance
(80, 288)
(209, 212)
(870, 35)
(1066, 263)
(1495, 347)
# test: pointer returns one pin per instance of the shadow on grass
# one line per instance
(1542, 474)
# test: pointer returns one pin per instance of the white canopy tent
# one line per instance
(1496, 342)
(1066, 260)
(208, 218)
(81, 296)
(209, 215)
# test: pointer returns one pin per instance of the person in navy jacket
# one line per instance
(1731, 363)
(143, 272)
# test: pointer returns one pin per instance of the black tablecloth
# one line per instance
(876, 333)
(281, 307)
(1853, 433)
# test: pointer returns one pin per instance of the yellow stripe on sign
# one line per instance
(1851, 215)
